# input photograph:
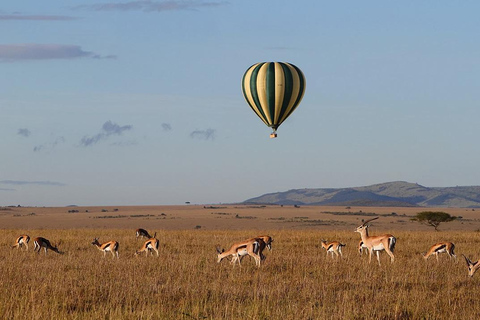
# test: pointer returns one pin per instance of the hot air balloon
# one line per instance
(273, 90)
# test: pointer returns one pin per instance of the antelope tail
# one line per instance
(392, 241)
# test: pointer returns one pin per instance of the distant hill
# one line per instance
(390, 194)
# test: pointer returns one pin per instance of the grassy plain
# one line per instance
(296, 281)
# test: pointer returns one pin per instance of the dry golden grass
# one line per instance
(296, 281)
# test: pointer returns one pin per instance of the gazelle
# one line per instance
(362, 247)
(22, 240)
(377, 243)
(441, 247)
(268, 241)
(111, 246)
(252, 247)
(472, 266)
(143, 233)
(242, 251)
(39, 243)
(149, 246)
(334, 247)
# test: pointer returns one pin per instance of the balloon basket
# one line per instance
(273, 135)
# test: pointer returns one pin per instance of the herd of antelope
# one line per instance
(254, 247)
(150, 245)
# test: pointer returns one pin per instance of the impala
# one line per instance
(377, 243)
(334, 247)
(149, 246)
(111, 246)
(143, 233)
(441, 247)
(22, 240)
(39, 243)
(252, 247)
(472, 266)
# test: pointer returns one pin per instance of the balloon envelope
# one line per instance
(273, 90)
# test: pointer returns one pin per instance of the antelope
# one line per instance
(267, 241)
(242, 251)
(40, 243)
(334, 247)
(252, 248)
(377, 243)
(22, 240)
(362, 247)
(149, 246)
(111, 246)
(143, 233)
(472, 266)
(441, 247)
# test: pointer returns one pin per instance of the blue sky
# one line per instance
(139, 102)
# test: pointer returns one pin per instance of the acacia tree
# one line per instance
(433, 218)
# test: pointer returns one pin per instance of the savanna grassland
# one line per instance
(296, 281)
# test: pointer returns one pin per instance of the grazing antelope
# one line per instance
(377, 243)
(268, 241)
(39, 243)
(334, 247)
(441, 247)
(143, 233)
(252, 247)
(362, 247)
(472, 266)
(149, 246)
(111, 246)
(22, 240)
(242, 251)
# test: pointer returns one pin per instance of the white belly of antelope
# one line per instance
(379, 247)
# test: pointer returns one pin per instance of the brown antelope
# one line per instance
(22, 240)
(362, 247)
(111, 246)
(267, 241)
(143, 233)
(149, 246)
(252, 247)
(39, 243)
(334, 247)
(377, 243)
(472, 266)
(441, 247)
(242, 251)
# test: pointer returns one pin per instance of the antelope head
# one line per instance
(269, 244)
(472, 266)
(364, 225)
(219, 256)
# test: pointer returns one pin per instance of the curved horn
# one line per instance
(468, 260)
(365, 223)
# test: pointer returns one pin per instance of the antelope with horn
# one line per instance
(472, 266)
(252, 247)
(377, 243)
(149, 246)
(334, 247)
(111, 246)
(39, 243)
(23, 240)
(143, 233)
(441, 247)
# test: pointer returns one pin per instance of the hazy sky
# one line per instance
(139, 102)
